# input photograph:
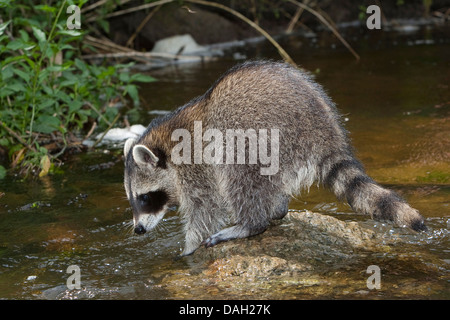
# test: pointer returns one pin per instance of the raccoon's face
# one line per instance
(149, 184)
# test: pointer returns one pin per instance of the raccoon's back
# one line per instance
(263, 94)
(271, 95)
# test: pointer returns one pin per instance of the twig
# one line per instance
(106, 43)
(294, 19)
(98, 112)
(99, 3)
(383, 17)
(281, 51)
(325, 22)
(133, 54)
(326, 17)
(142, 24)
(104, 133)
(19, 138)
(125, 11)
(94, 125)
(441, 15)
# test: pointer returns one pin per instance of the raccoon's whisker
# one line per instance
(161, 227)
(128, 227)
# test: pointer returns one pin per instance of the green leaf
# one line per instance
(46, 8)
(2, 172)
(6, 92)
(3, 27)
(19, 44)
(68, 83)
(81, 65)
(133, 93)
(75, 106)
(24, 75)
(16, 86)
(124, 76)
(46, 124)
(104, 25)
(43, 75)
(24, 35)
(4, 142)
(47, 103)
(7, 72)
(71, 33)
(39, 34)
(64, 97)
(142, 78)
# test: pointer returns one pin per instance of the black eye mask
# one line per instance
(151, 202)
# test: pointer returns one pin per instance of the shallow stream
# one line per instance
(396, 105)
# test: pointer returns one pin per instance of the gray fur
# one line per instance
(222, 202)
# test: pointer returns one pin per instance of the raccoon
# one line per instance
(219, 201)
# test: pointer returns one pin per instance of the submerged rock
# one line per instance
(291, 253)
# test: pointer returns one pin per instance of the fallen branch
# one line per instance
(142, 24)
(19, 138)
(133, 9)
(99, 3)
(281, 51)
(106, 44)
(149, 55)
(106, 131)
(294, 20)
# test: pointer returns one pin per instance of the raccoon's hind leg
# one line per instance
(282, 209)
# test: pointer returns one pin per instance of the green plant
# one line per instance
(48, 92)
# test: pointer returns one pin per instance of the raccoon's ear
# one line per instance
(127, 146)
(143, 156)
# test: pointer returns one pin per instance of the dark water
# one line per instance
(396, 104)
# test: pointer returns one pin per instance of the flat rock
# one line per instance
(293, 253)
(306, 255)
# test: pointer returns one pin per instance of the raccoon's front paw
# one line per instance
(211, 241)
(225, 235)
(189, 249)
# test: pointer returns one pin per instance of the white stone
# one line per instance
(181, 44)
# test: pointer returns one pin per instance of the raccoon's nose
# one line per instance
(139, 229)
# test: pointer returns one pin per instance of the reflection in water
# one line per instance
(396, 102)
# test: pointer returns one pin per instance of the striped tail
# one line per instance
(348, 180)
